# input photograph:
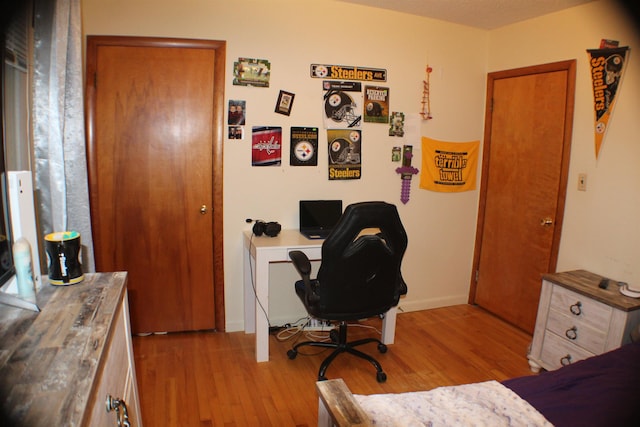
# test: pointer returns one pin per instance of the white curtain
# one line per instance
(58, 116)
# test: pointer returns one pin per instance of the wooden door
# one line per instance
(524, 176)
(154, 119)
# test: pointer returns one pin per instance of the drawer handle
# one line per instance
(118, 405)
(572, 333)
(576, 308)
(566, 360)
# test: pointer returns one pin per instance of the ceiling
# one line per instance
(485, 14)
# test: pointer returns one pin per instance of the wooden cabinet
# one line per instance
(117, 379)
(58, 366)
(578, 319)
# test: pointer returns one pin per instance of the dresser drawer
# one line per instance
(577, 331)
(587, 311)
(557, 352)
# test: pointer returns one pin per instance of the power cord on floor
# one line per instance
(288, 330)
(297, 330)
(299, 327)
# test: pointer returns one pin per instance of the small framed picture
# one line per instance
(285, 102)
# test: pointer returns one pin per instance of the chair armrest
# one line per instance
(301, 263)
(337, 406)
(403, 285)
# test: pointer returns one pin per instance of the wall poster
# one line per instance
(304, 146)
(345, 160)
(607, 66)
(266, 146)
(342, 104)
(251, 72)
(396, 122)
(345, 72)
(449, 167)
(376, 104)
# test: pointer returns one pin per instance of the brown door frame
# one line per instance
(93, 43)
(570, 67)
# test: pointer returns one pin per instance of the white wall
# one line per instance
(601, 231)
(292, 35)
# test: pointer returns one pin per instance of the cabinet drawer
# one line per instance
(576, 330)
(589, 312)
(114, 376)
(557, 350)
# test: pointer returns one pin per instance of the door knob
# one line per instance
(546, 222)
(203, 209)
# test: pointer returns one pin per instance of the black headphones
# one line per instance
(271, 228)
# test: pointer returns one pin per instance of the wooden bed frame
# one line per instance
(601, 390)
(337, 406)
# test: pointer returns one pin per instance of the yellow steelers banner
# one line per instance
(449, 166)
(607, 66)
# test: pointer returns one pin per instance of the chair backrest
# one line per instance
(359, 275)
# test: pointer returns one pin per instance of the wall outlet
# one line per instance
(582, 182)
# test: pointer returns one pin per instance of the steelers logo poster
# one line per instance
(341, 104)
(345, 156)
(304, 146)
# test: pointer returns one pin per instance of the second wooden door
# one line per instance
(525, 161)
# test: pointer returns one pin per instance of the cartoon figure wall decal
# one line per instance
(406, 172)
(426, 101)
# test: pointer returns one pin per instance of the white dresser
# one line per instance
(578, 319)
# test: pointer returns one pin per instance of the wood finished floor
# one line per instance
(212, 379)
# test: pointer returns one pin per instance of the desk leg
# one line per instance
(389, 326)
(249, 295)
(262, 308)
(255, 319)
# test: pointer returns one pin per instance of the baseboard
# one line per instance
(408, 306)
(430, 303)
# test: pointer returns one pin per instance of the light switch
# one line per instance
(582, 182)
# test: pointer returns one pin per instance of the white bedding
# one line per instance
(479, 404)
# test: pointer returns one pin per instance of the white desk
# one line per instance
(259, 252)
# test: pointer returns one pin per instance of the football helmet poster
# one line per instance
(345, 157)
(376, 104)
(342, 104)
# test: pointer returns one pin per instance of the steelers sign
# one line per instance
(342, 72)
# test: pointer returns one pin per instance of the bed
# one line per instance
(603, 391)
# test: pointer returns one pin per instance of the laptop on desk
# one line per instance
(318, 217)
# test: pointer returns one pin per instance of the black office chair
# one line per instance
(359, 277)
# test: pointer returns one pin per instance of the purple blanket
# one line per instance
(600, 391)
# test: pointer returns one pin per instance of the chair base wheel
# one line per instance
(340, 345)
